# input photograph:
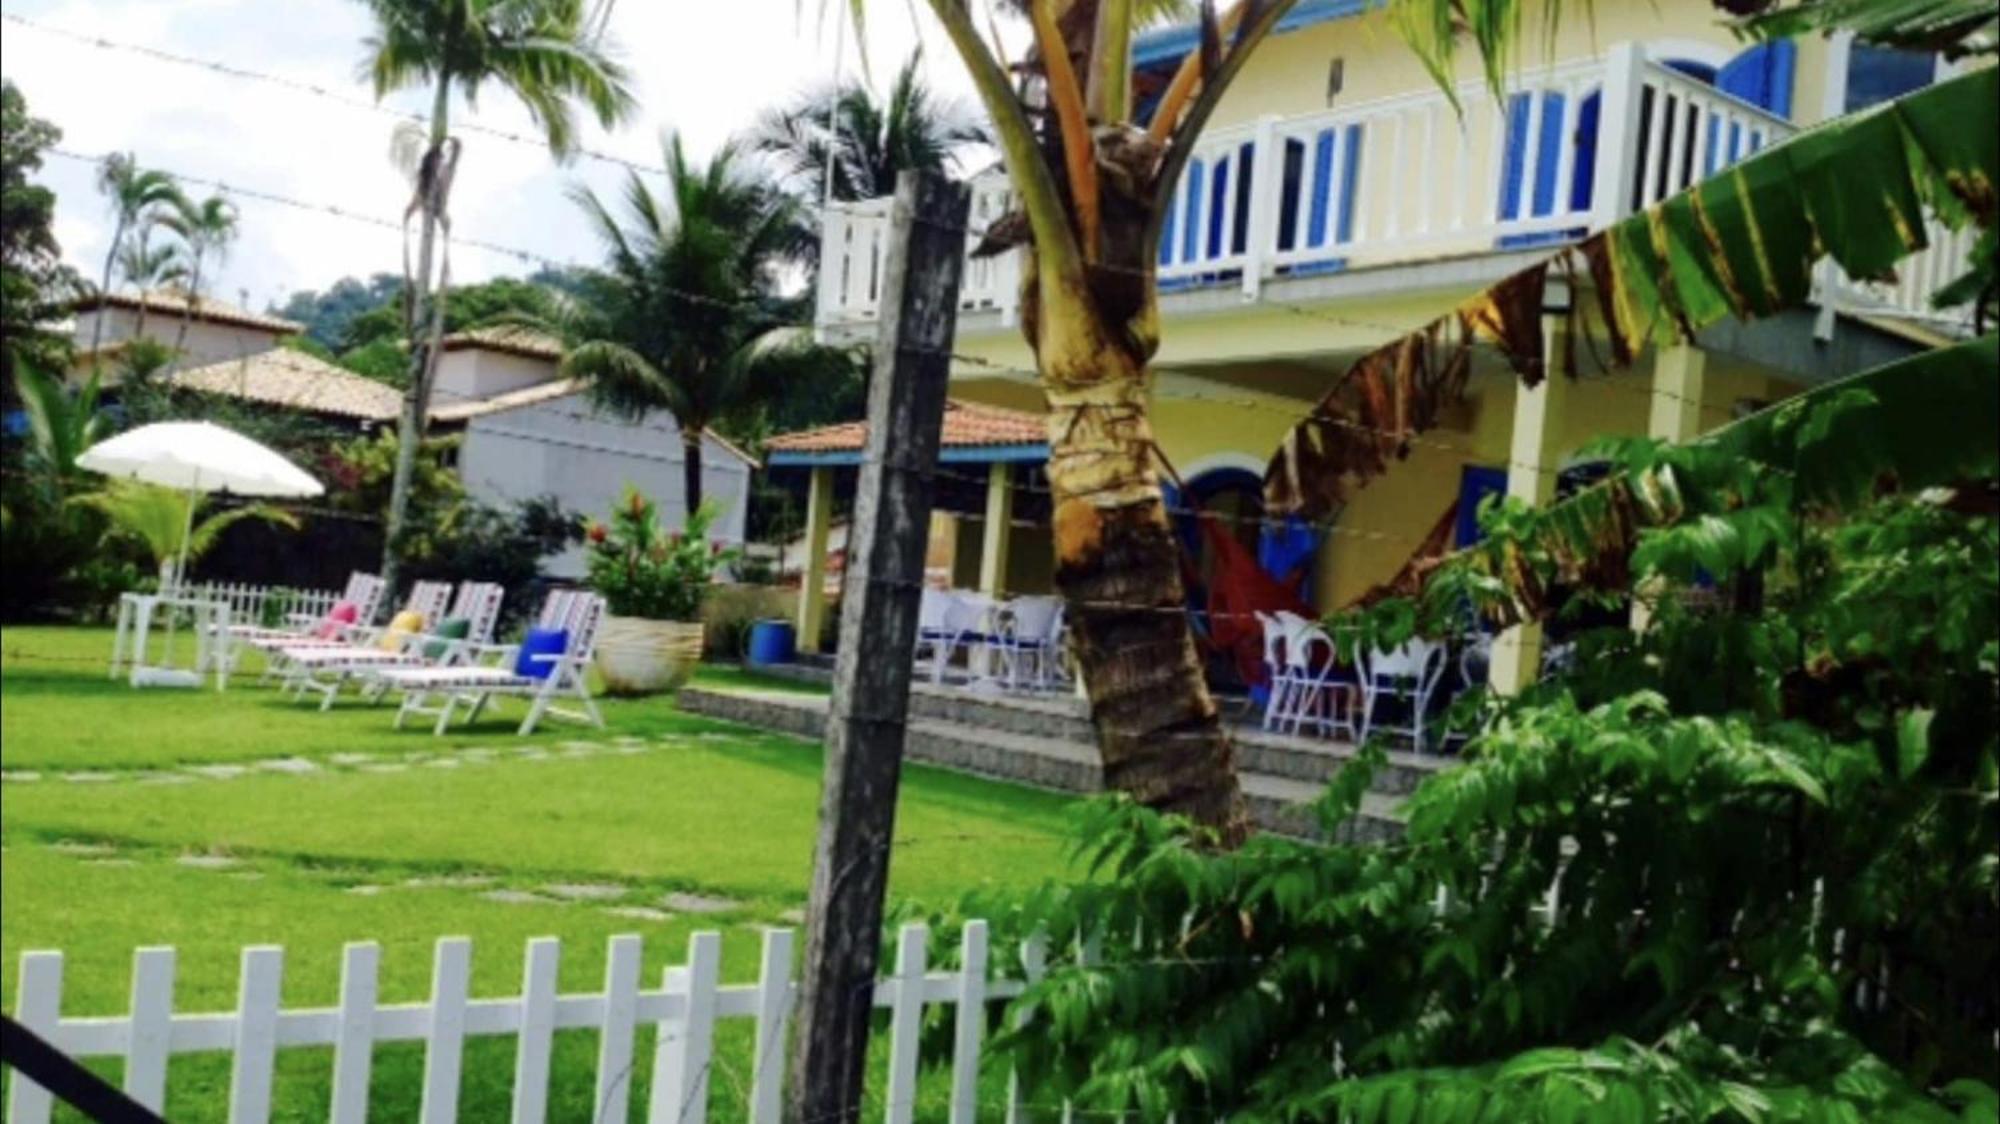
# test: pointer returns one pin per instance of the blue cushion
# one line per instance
(540, 642)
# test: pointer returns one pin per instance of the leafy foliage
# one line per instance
(645, 571)
(1740, 866)
(475, 540)
(328, 313)
(870, 142)
(34, 282)
(157, 520)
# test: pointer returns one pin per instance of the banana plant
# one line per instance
(158, 520)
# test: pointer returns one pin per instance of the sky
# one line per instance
(703, 68)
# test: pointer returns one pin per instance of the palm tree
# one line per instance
(687, 316)
(159, 518)
(136, 195)
(206, 230)
(547, 55)
(61, 425)
(867, 142)
(147, 267)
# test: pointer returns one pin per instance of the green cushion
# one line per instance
(448, 629)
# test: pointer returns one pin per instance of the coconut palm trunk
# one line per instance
(425, 327)
(1091, 183)
(104, 287)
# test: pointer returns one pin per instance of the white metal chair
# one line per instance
(1276, 671)
(951, 620)
(1029, 629)
(472, 686)
(1409, 672)
(324, 670)
(1314, 696)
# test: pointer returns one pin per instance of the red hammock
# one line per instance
(1240, 589)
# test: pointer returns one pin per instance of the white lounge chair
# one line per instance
(950, 620)
(472, 686)
(364, 592)
(427, 600)
(324, 670)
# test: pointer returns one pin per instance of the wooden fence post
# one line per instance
(878, 622)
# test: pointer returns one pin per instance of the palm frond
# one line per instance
(621, 380)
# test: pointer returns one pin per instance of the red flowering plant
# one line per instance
(645, 571)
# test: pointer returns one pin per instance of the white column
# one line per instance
(1679, 380)
(812, 582)
(1532, 463)
(1617, 135)
(999, 526)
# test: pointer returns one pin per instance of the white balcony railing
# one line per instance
(1571, 149)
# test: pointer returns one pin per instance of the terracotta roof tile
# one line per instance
(282, 377)
(505, 338)
(174, 302)
(967, 425)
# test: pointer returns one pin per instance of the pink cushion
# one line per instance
(342, 614)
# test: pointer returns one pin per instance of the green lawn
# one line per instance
(401, 837)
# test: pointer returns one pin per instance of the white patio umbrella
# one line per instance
(198, 457)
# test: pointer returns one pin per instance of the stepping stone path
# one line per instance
(696, 903)
(386, 767)
(639, 912)
(112, 861)
(78, 847)
(364, 890)
(351, 758)
(442, 763)
(513, 897)
(89, 777)
(793, 917)
(207, 862)
(455, 881)
(585, 891)
(289, 765)
(218, 772)
(19, 776)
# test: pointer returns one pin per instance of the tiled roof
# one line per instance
(175, 302)
(551, 391)
(282, 377)
(511, 400)
(967, 425)
(506, 338)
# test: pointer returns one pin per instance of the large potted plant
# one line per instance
(654, 583)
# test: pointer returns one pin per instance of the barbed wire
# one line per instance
(313, 89)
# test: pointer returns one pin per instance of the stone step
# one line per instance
(1316, 760)
(1277, 803)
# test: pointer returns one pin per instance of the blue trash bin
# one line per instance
(772, 642)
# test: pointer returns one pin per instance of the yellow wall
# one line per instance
(1383, 524)
(1288, 75)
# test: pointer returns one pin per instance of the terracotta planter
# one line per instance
(637, 656)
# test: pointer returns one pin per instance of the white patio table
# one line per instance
(135, 621)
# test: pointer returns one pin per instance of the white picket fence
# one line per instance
(685, 1009)
(248, 603)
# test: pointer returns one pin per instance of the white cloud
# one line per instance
(704, 69)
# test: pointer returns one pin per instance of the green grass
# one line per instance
(706, 808)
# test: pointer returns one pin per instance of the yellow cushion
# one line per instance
(402, 626)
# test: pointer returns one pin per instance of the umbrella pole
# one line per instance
(187, 532)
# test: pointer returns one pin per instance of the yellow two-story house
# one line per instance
(1338, 200)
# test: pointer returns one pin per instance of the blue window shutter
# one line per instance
(1218, 198)
(1322, 169)
(1350, 172)
(1548, 154)
(1762, 75)
(1517, 151)
(1877, 74)
(1475, 483)
(1246, 164)
(1583, 179)
(1189, 235)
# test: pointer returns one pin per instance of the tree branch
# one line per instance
(1055, 245)
(1253, 31)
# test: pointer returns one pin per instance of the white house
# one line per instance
(526, 431)
(216, 330)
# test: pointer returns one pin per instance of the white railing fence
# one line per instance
(685, 1009)
(255, 604)
(1570, 148)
